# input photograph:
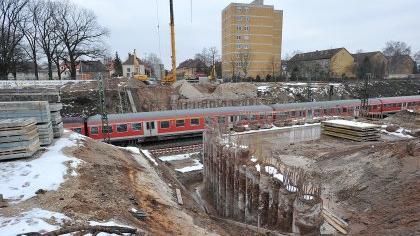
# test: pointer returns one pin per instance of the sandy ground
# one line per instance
(109, 183)
(374, 186)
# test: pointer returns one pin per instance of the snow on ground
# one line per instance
(399, 133)
(197, 166)
(146, 153)
(351, 123)
(177, 157)
(149, 156)
(20, 179)
(30, 221)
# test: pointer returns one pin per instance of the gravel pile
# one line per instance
(186, 90)
(236, 90)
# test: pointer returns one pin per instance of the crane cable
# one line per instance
(158, 29)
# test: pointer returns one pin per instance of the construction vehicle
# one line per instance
(171, 77)
(141, 77)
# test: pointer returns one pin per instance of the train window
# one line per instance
(345, 109)
(221, 119)
(78, 130)
(136, 126)
(94, 130)
(208, 120)
(293, 114)
(122, 128)
(262, 117)
(106, 129)
(253, 117)
(180, 123)
(164, 124)
(231, 119)
(195, 122)
(242, 117)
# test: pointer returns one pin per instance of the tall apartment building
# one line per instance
(251, 39)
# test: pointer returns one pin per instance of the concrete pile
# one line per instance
(52, 96)
(18, 138)
(263, 194)
(356, 131)
(39, 110)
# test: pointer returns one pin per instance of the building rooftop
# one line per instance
(316, 55)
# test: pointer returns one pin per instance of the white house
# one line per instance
(132, 66)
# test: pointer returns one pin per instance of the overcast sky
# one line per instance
(308, 24)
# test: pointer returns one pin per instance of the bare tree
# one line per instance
(48, 39)
(275, 65)
(80, 33)
(30, 28)
(244, 62)
(214, 57)
(417, 56)
(11, 14)
(395, 48)
(233, 66)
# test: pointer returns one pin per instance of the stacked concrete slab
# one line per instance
(50, 95)
(18, 138)
(39, 110)
(356, 131)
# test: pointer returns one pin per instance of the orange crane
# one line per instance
(171, 77)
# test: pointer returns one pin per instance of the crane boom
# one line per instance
(169, 79)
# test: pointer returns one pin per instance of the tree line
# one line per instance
(55, 31)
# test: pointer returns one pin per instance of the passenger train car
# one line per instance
(169, 124)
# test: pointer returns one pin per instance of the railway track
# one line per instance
(157, 152)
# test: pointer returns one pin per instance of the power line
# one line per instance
(158, 28)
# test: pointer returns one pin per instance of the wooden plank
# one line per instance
(335, 218)
(131, 100)
(334, 224)
(179, 197)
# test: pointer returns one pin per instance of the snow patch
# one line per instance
(258, 167)
(253, 159)
(20, 179)
(31, 221)
(197, 166)
(178, 157)
(149, 156)
(108, 223)
(133, 150)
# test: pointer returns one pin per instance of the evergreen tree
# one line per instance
(117, 65)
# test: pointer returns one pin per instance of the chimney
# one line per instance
(135, 55)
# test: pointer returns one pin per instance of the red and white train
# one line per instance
(169, 124)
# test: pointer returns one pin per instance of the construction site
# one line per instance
(126, 155)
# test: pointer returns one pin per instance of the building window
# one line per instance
(180, 123)
(164, 124)
(122, 128)
(238, 9)
(245, 46)
(238, 37)
(238, 46)
(246, 37)
(246, 28)
(247, 18)
(94, 130)
(246, 9)
(136, 126)
(128, 70)
(195, 122)
(238, 18)
(238, 27)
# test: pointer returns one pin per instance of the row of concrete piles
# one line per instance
(259, 196)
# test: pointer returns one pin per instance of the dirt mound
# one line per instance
(236, 90)
(186, 90)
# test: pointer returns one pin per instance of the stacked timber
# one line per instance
(52, 96)
(18, 138)
(39, 110)
(356, 131)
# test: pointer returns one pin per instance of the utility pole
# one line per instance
(104, 114)
(364, 106)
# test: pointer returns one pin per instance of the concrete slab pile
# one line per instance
(18, 138)
(258, 193)
(39, 110)
(52, 96)
(356, 131)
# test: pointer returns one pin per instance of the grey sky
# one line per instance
(308, 24)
